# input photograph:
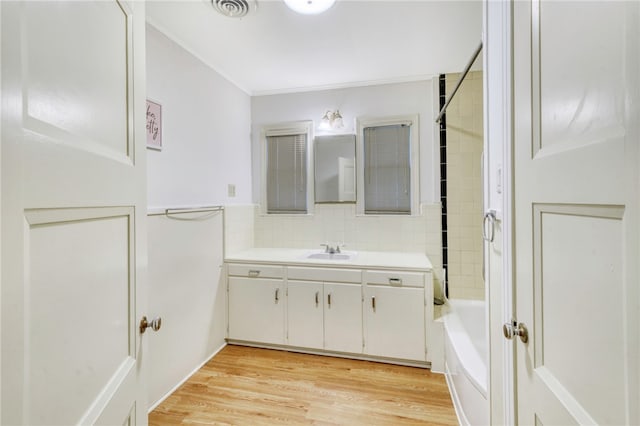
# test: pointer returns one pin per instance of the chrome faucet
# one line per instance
(329, 249)
(332, 250)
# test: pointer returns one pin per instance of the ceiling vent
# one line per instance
(234, 8)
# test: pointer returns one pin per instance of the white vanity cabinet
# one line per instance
(395, 309)
(322, 314)
(256, 303)
(377, 307)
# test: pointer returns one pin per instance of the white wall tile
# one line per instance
(464, 188)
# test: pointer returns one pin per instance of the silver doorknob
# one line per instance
(511, 329)
(155, 324)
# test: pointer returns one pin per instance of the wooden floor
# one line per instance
(249, 386)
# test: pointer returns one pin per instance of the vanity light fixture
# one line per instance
(331, 120)
(309, 7)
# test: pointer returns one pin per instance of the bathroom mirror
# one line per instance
(335, 168)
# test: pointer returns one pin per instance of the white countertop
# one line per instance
(362, 259)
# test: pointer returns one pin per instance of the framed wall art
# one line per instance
(154, 125)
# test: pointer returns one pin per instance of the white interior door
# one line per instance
(346, 179)
(73, 212)
(576, 216)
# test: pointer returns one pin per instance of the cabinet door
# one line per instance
(305, 314)
(395, 322)
(343, 317)
(256, 310)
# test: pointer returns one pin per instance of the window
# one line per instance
(388, 166)
(286, 177)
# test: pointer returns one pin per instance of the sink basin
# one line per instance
(331, 256)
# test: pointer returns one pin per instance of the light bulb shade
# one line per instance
(337, 123)
(325, 123)
(309, 7)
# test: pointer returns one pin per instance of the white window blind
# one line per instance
(287, 174)
(387, 169)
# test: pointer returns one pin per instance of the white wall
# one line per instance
(206, 145)
(188, 291)
(373, 101)
(206, 130)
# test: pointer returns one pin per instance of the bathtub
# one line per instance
(465, 345)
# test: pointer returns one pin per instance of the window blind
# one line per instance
(387, 170)
(287, 173)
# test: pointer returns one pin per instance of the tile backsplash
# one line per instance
(239, 227)
(338, 223)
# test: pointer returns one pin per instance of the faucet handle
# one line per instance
(326, 247)
(338, 247)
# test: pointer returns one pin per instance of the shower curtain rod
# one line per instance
(455, 89)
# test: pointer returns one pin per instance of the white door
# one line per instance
(73, 213)
(576, 157)
(343, 317)
(395, 322)
(305, 317)
(346, 179)
(256, 310)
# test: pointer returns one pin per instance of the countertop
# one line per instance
(363, 259)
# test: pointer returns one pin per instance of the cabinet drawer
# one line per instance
(255, 271)
(325, 274)
(395, 278)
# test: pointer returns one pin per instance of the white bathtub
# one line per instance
(466, 353)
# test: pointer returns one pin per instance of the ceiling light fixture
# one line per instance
(309, 7)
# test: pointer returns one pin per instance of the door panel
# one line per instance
(578, 280)
(395, 322)
(581, 83)
(256, 310)
(576, 121)
(73, 212)
(61, 257)
(89, 115)
(305, 318)
(343, 317)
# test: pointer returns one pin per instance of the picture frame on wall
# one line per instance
(154, 125)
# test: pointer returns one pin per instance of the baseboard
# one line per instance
(173, 389)
(361, 357)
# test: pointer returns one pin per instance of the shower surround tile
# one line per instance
(464, 187)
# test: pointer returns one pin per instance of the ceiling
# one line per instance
(356, 42)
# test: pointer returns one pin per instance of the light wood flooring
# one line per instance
(249, 386)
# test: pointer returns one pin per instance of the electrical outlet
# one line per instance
(231, 190)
